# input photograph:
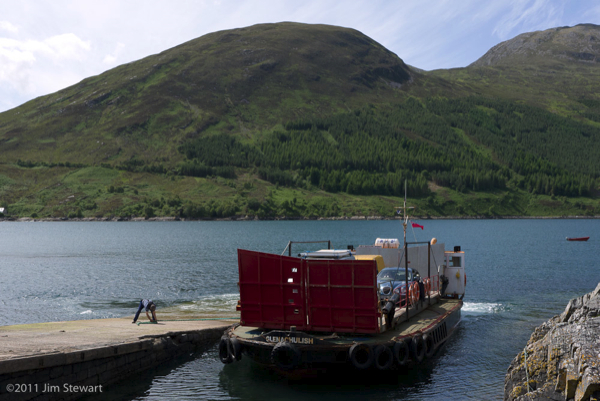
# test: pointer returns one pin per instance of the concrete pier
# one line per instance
(68, 360)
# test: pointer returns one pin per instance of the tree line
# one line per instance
(466, 144)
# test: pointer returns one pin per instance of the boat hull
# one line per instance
(578, 239)
(410, 342)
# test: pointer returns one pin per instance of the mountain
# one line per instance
(553, 47)
(557, 69)
(230, 80)
(297, 120)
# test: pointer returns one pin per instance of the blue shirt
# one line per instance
(144, 303)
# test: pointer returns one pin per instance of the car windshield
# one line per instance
(393, 275)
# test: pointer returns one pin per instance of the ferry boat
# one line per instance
(327, 308)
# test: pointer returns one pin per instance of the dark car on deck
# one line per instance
(394, 278)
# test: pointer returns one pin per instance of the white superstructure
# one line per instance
(417, 257)
(455, 272)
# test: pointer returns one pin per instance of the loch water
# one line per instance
(520, 273)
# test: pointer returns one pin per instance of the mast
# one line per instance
(404, 225)
(405, 219)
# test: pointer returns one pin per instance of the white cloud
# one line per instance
(528, 16)
(111, 59)
(591, 15)
(25, 65)
(8, 27)
(15, 63)
(67, 47)
(15, 51)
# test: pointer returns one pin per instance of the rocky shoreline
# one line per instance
(561, 360)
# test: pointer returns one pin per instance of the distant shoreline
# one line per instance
(283, 218)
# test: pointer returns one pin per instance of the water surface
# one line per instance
(520, 273)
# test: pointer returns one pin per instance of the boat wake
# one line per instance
(482, 308)
(213, 304)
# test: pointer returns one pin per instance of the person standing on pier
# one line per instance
(149, 306)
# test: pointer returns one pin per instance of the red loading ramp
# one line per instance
(342, 296)
(271, 290)
(277, 292)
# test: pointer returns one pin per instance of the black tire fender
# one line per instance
(401, 352)
(429, 345)
(417, 348)
(285, 356)
(224, 355)
(384, 357)
(361, 355)
(235, 349)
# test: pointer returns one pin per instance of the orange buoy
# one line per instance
(427, 284)
(414, 292)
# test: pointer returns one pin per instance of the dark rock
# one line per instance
(561, 360)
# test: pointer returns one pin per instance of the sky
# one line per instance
(47, 45)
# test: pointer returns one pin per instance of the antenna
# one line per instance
(404, 224)
(405, 214)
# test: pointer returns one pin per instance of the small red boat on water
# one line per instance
(578, 239)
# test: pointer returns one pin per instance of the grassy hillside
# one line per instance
(297, 120)
(231, 81)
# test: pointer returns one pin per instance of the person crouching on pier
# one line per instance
(149, 306)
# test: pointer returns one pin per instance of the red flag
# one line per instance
(417, 225)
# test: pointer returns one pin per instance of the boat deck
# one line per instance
(420, 319)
